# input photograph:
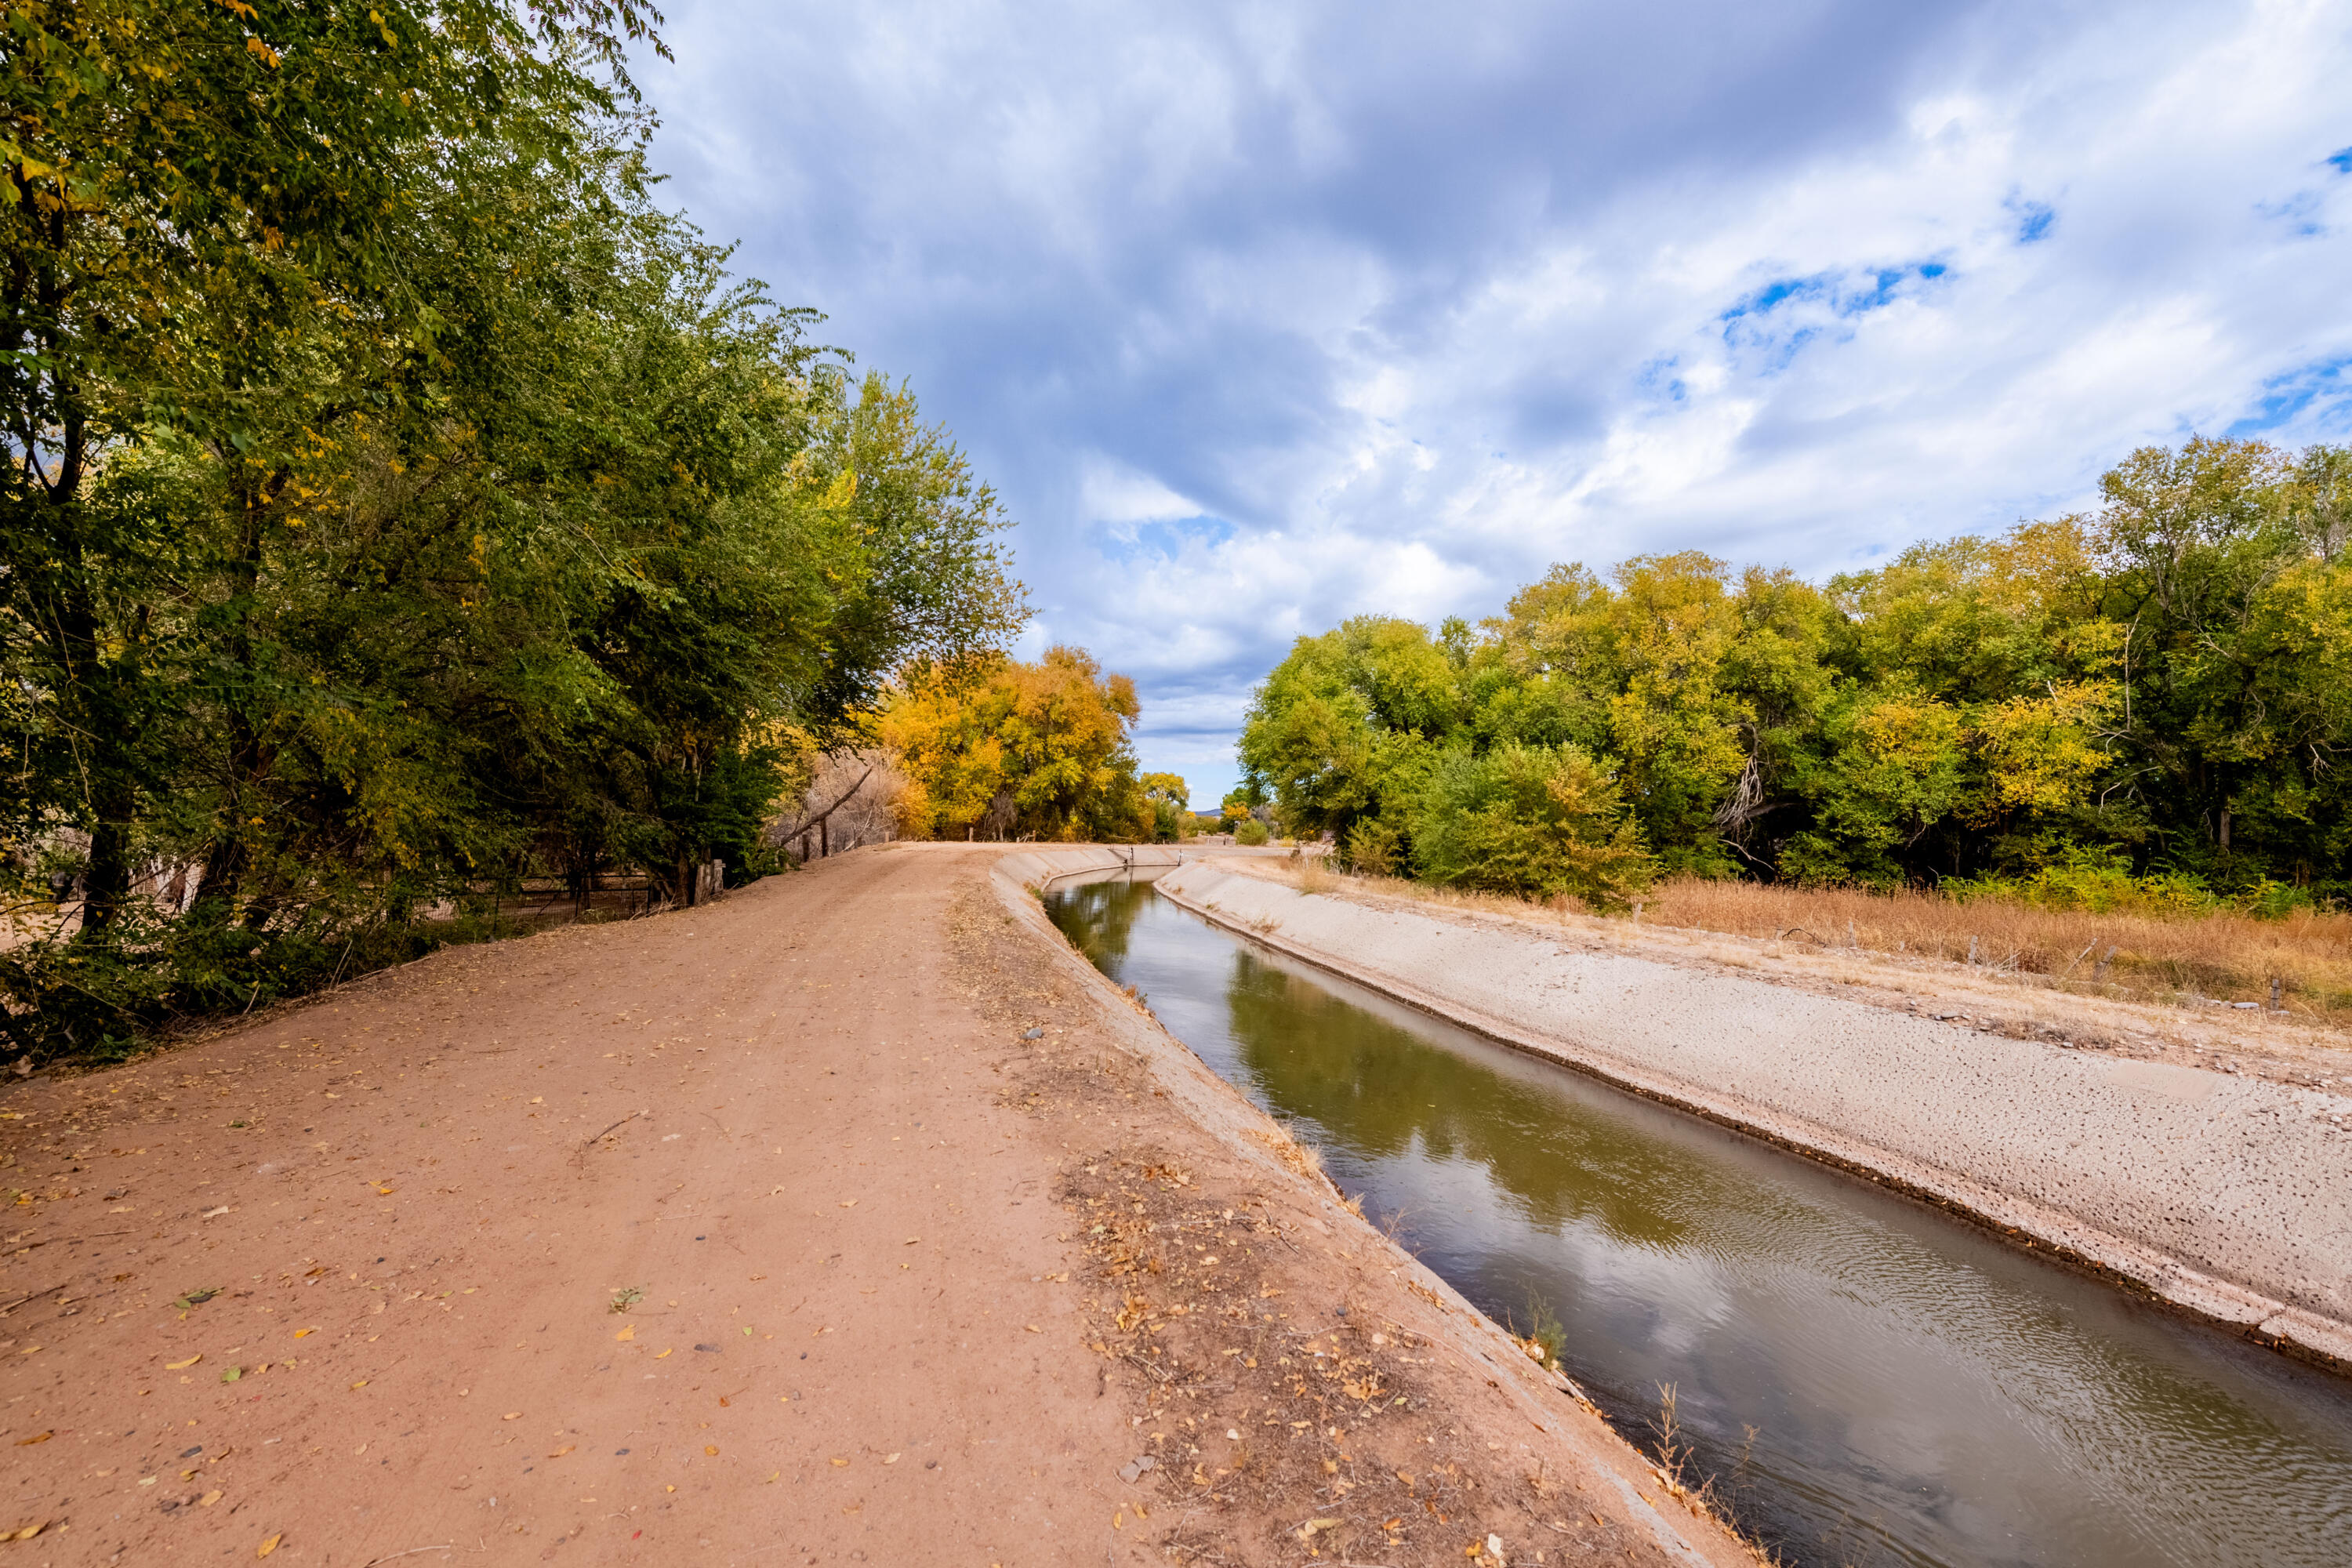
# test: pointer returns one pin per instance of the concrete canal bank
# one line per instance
(2229, 1197)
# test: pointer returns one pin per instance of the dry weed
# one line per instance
(2229, 957)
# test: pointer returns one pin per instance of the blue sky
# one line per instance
(1261, 316)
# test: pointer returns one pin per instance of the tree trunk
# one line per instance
(90, 686)
(231, 857)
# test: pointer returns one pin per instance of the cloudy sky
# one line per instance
(1263, 315)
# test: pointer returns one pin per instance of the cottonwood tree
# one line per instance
(2159, 685)
(994, 748)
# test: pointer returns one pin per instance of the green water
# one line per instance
(1868, 1380)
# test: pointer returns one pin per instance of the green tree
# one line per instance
(1170, 804)
(406, 504)
(195, 194)
(2157, 688)
(1342, 730)
(1529, 820)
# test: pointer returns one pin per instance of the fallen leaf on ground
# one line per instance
(628, 1334)
(512, 1415)
(361, 1384)
(35, 1437)
(660, 1354)
(268, 1545)
(709, 1449)
(209, 1498)
(891, 1461)
(300, 1332)
(849, 1203)
(839, 1463)
(563, 1450)
(176, 1365)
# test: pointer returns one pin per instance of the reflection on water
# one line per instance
(1870, 1381)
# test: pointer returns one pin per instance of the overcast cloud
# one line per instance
(1264, 315)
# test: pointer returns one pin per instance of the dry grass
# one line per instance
(2228, 957)
(2224, 957)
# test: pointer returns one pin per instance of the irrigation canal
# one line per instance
(1868, 1380)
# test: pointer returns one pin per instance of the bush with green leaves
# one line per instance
(1537, 821)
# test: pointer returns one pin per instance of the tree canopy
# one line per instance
(997, 749)
(2156, 687)
(399, 499)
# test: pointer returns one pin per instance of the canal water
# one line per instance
(1868, 1381)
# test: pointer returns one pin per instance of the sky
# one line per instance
(1261, 316)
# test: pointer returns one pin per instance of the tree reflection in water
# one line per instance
(1379, 1089)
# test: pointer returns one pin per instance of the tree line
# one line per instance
(401, 502)
(2152, 696)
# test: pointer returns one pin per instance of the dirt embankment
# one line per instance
(849, 1219)
(2227, 1194)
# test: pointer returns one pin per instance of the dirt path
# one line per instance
(766, 1232)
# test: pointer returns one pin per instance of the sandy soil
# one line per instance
(2227, 1194)
(848, 1220)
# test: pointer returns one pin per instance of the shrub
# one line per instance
(1531, 820)
(1251, 832)
(1375, 847)
(2099, 882)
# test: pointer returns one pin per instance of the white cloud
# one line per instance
(1111, 491)
(1266, 317)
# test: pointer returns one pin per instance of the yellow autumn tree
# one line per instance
(997, 749)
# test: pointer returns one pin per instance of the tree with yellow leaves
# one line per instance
(996, 749)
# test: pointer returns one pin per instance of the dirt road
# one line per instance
(844, 1220)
